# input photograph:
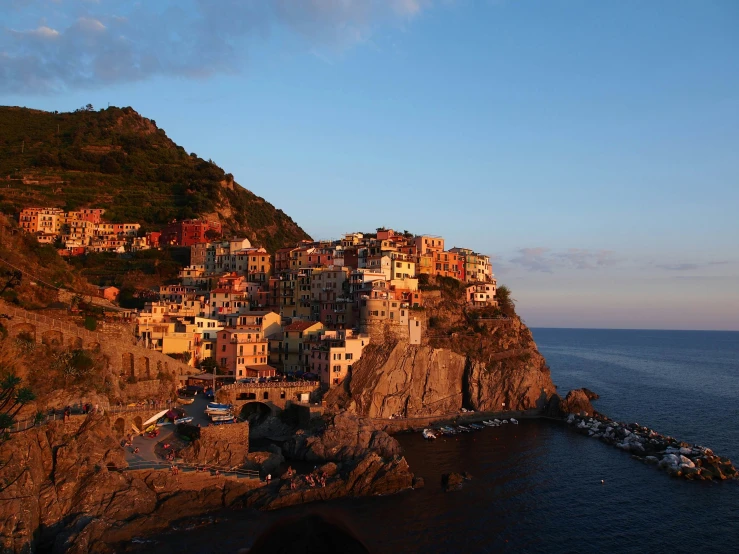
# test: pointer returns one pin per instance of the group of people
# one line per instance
(314, 480)
(397, 416)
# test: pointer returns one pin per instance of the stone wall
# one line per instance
(220, 445)
(124, 358)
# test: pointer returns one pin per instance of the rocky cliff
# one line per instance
(65, 487)
(502, 371)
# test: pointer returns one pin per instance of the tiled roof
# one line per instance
(300, 325)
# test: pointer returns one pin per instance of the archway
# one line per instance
(127, 365)
(138, 423)
(255, 412)
(143, 365)
(119, 427)
(24, 330)
(75, 342)
(52, 337)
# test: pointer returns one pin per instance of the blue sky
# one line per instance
(590, 147)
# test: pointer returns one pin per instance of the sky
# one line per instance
(590, 147)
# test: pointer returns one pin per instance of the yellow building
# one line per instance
(291, 351)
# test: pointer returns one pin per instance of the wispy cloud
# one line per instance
(545, 260)
(688, 266)
(88, 44)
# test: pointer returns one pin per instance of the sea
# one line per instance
(541, 487)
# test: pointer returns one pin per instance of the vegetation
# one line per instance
(117, 160)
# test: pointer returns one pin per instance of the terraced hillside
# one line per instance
(118, 160)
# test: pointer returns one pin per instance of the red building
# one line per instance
(188, 232)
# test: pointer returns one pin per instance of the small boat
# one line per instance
(221, 418)
(475, 426)
(489, 423)
(218, 409)
(217, 406)
(183, 420)
(211, 413)
(514, 421)
(428, 434)
(448, 431)
(463, 428)
(163, 421)
(504, 421)
(181, 400)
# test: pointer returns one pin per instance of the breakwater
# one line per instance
(677, 458)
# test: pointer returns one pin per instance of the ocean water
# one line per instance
(537, 486)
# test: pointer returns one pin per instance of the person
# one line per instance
(136, 450)
(269, 477)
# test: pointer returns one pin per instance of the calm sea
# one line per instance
(537, 486)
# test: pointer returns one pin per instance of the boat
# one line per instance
(514, 421)
(222, 417)
(210, 412)
(182, 420)
(217, 410)
(428, 434)
(163, 421)
(489, 423)
(475, 426)
(504, 421)
(217, 406)
(463, 428)
(181, 400)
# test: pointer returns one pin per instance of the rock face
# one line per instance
(412, 380)
(358, 460)
(345, 438)
(222, 445)
(577, 402)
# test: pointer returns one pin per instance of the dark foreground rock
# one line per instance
(453, 481)
(67, 488)
(679, 459)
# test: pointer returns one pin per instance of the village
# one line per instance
(306, 312)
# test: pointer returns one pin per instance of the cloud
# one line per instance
(88, 44)
(546, 261)
(691, 265)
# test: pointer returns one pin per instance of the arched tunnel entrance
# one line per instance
(255, 413)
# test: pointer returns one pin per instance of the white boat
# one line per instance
(428, 434)
(463, 428)
(514, 421)
(217, 406)
(217, 411)
(222, 417)
(475, 426)
(504, 421)
(183, 420)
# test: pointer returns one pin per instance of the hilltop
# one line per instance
(121, 161)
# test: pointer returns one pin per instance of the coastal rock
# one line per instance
(412, 380)
(590, 394)
(345, 437)
(452, 481)
(678, 459)
(577, 402)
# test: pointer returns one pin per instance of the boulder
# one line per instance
(577, 402)
(452, 481)
(590, 394)
(345, 437)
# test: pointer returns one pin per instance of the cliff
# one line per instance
(121, 161)
(490, 366)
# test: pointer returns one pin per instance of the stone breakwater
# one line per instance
(679, 459)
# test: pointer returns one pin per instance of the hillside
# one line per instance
(118, 160)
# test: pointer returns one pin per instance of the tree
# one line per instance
(7, 389)
(22, 397)
(505, 302)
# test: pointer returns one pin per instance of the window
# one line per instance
(223, 348)
(337, 369)
(348, 356)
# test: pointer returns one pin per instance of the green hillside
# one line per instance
(121, 161)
